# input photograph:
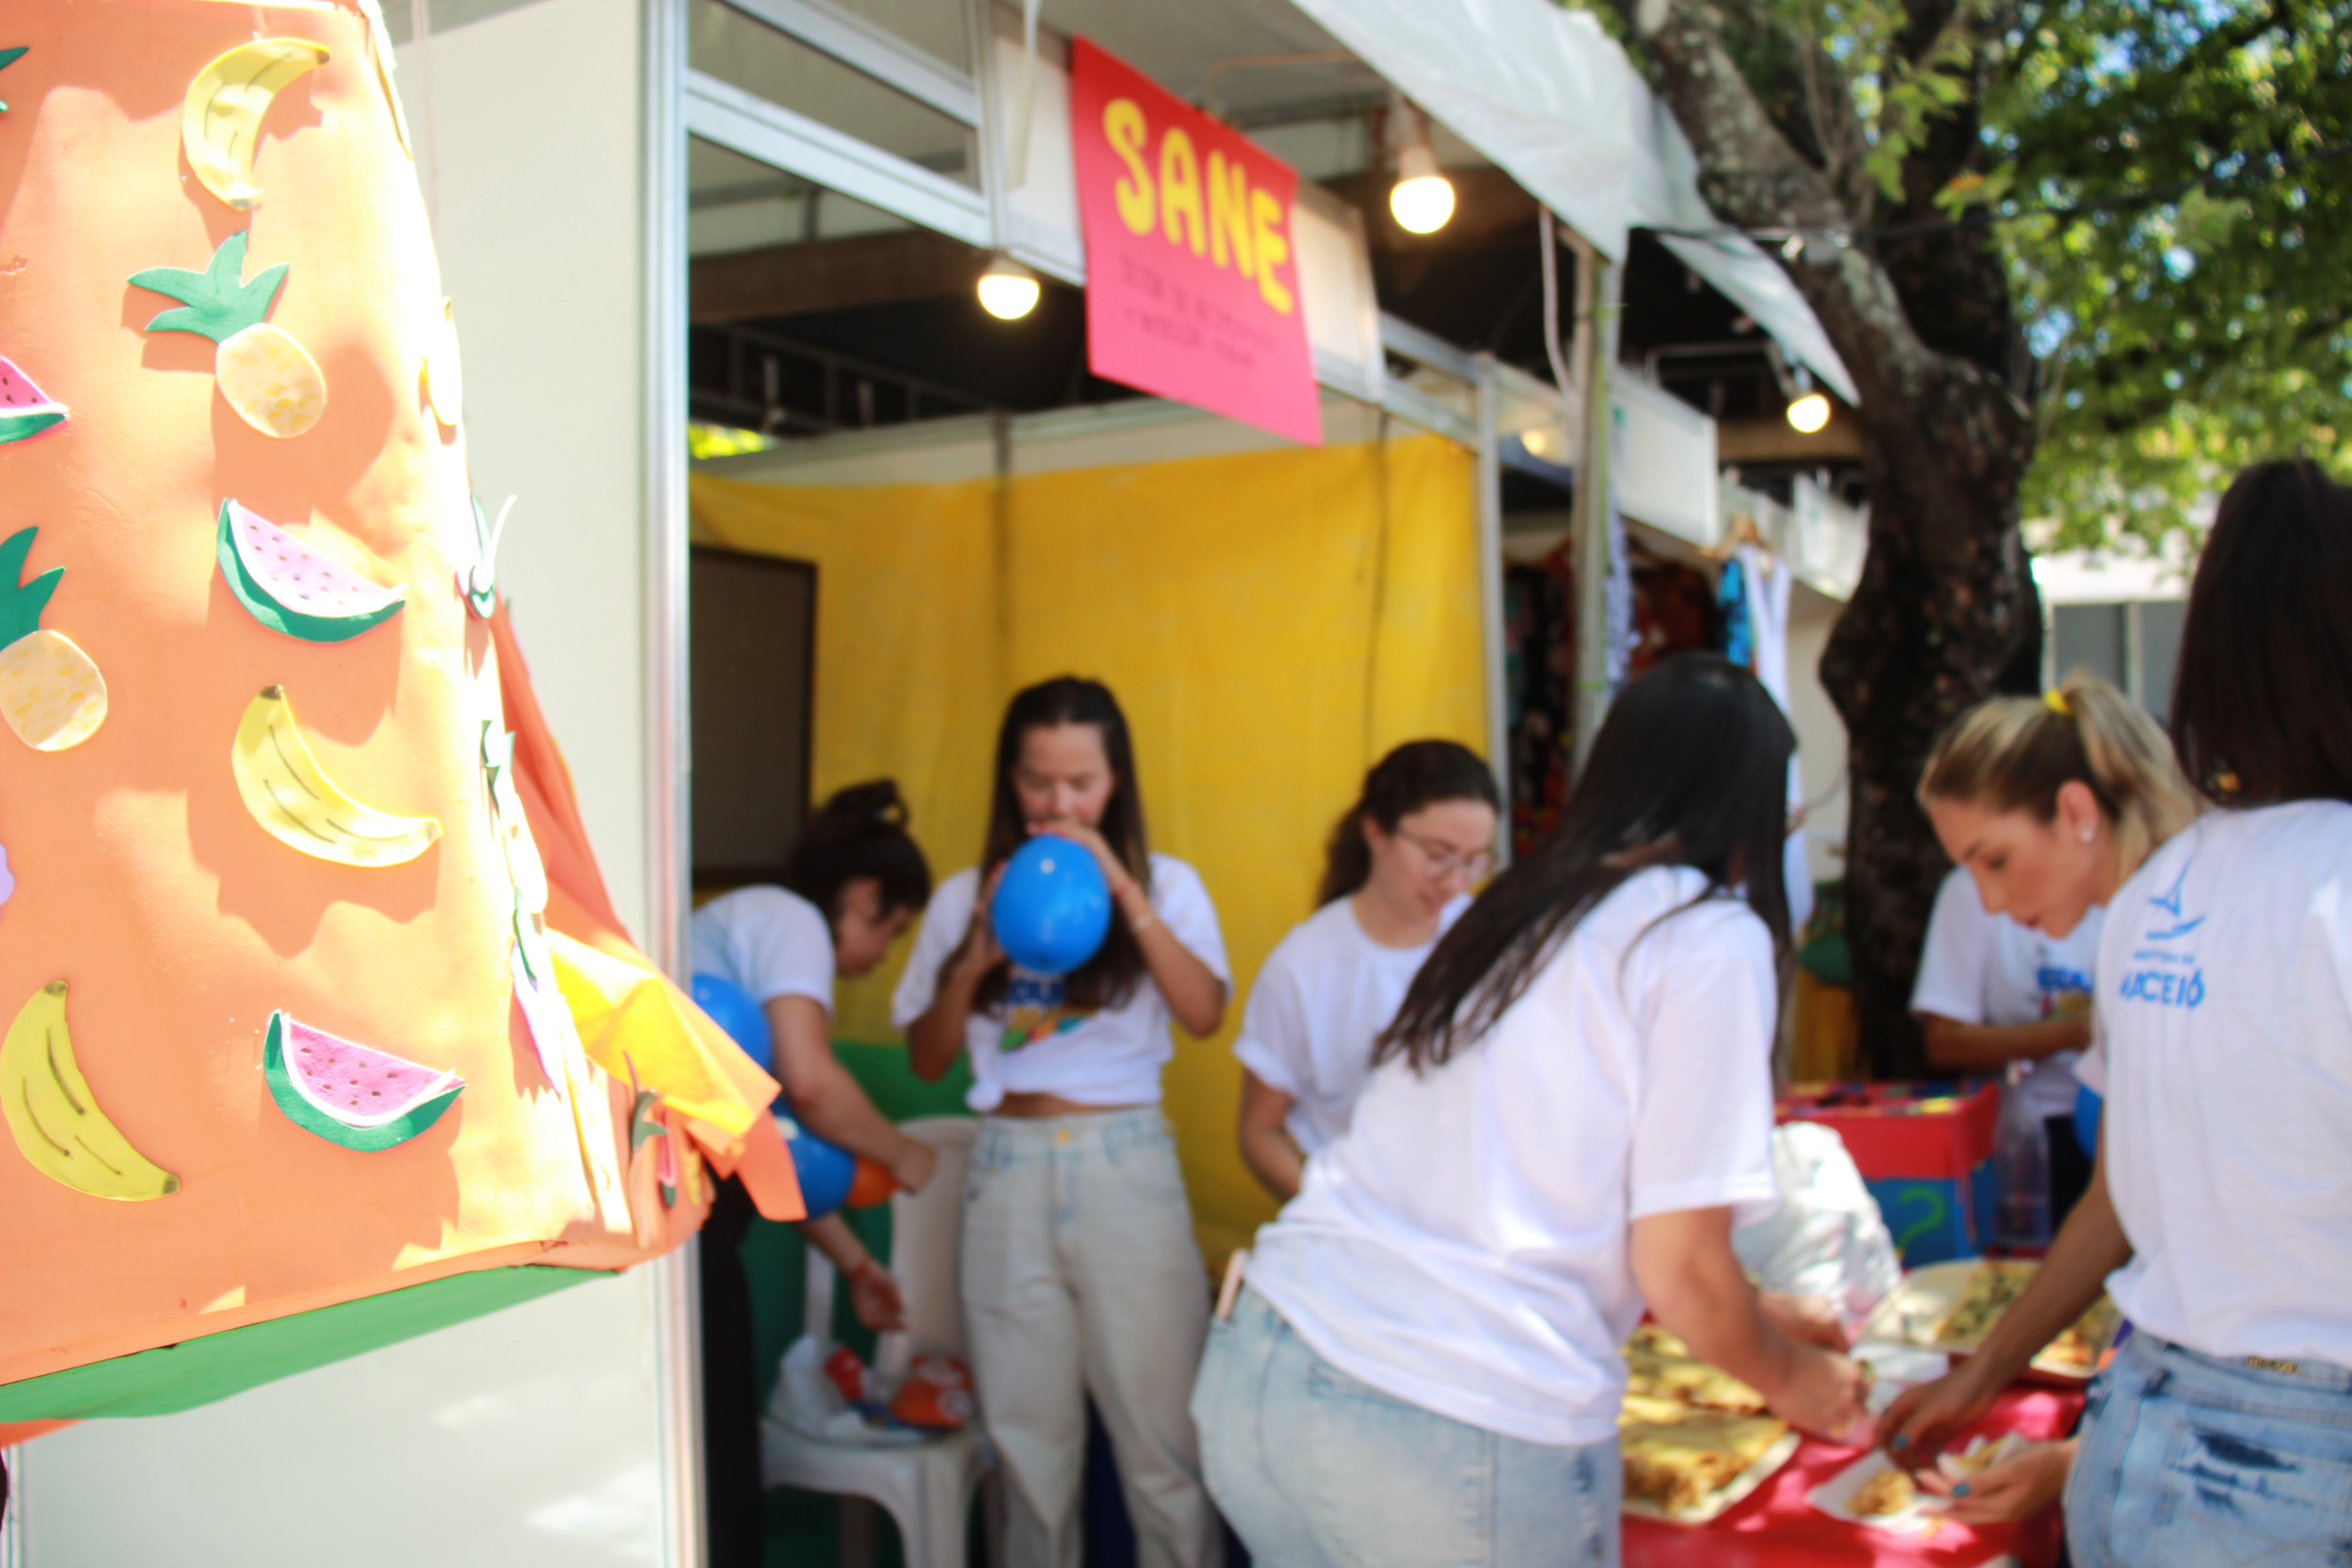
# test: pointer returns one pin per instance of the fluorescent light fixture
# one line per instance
(1008, 290)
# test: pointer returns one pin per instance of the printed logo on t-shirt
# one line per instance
(1033, 1011)
(2065, 989)
(2165, 972)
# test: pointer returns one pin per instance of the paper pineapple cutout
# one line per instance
(265, 374)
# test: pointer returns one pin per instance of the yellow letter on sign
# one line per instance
(1180, 190)
(1273, 247)
(1229, 220)
(1123, 127)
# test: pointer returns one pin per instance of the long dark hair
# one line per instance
(2262, 705)
(1416, 775)
(860, 832)
(1110, 977)
(1690, 768)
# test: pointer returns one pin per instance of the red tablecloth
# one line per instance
(1777, 1526)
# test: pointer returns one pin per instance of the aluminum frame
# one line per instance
(661, 191)
(876, 51)
(785, 139)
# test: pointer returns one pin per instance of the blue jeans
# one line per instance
(2188, 1461)
(1315, 1470)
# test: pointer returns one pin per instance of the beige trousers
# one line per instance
(1081, 1276)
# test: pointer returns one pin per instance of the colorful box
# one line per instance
(1924, 1150)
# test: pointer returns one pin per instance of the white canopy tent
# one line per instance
(1553, 100)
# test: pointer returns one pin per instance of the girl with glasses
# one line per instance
(1397, 874)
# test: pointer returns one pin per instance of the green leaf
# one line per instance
(213, 302)
(21, 604)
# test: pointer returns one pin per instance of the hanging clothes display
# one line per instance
(1539, 652)
(1763, 584)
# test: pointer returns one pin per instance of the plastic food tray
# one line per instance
(1726, 1496)
(1927, 1296)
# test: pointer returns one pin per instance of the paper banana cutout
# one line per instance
(220, 123)
(445, 379)
(297, 804)
(55, 1119)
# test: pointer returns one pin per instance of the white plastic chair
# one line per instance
(928, 1486)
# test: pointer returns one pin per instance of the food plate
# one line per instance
(1975, 1291)
(1920, 1518)
(1923, 1516)
(1724, 1497)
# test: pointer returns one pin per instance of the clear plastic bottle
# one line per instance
(2021, 1166)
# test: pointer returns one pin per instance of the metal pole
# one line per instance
(1600, 285)
(677, 1318)
(1492, 613)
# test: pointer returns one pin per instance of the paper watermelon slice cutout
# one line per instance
(292, 588)
(347, 1094)
(25, 409)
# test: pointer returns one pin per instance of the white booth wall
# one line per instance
(534, 1437)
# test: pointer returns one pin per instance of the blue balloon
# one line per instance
(2087, 1118)
(1052, 910)
(826, 1171)
(731, 1008)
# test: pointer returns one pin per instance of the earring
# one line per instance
(2088, 833)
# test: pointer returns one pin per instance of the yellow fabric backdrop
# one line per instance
(1272, 623)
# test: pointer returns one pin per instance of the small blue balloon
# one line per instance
(731, 1008)
(1052, 910)
(2087, 1118)
(826, 1171)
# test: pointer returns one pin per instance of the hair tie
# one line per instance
(2055, 701)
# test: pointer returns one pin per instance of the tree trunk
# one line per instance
(1946, 612)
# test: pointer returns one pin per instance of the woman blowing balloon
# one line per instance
(1399, 867)
(2221, 1215)
(1573, 1110)
(1080, 1274)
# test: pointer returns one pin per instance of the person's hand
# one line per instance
(913, 1164)
(1808, 1319)
(1915, 1428)
(1822, 1393)
(979, 952)
(2018, 1487)
(1094, 844)
(873, 1297)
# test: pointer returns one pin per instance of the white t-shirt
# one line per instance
(2225, 1021)
(1981, 968)
(1462, 1245)
(1324, 994)
(1032, 1044)
(770, 941)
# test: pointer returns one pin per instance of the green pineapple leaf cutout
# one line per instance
(214, 301)
(9, 58)
(265, 374)
(21, 604)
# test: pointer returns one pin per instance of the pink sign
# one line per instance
(1192, 280)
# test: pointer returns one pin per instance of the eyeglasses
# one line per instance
(1445, 861)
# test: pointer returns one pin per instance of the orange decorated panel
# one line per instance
(191, 857)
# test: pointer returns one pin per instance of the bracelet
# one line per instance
(862, 1267)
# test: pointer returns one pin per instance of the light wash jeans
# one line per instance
(1316, 1469)
(1081, 1275)
(2188, 1461)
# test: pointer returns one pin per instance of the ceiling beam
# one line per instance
(831, 275)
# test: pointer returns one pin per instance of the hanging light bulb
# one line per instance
(1008, 290)
(1421, 199)
(1809, 411)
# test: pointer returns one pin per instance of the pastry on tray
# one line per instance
(1677, 1464)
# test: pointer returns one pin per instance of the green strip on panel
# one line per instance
(196, 1372)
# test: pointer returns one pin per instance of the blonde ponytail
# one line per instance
(2011, 753)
